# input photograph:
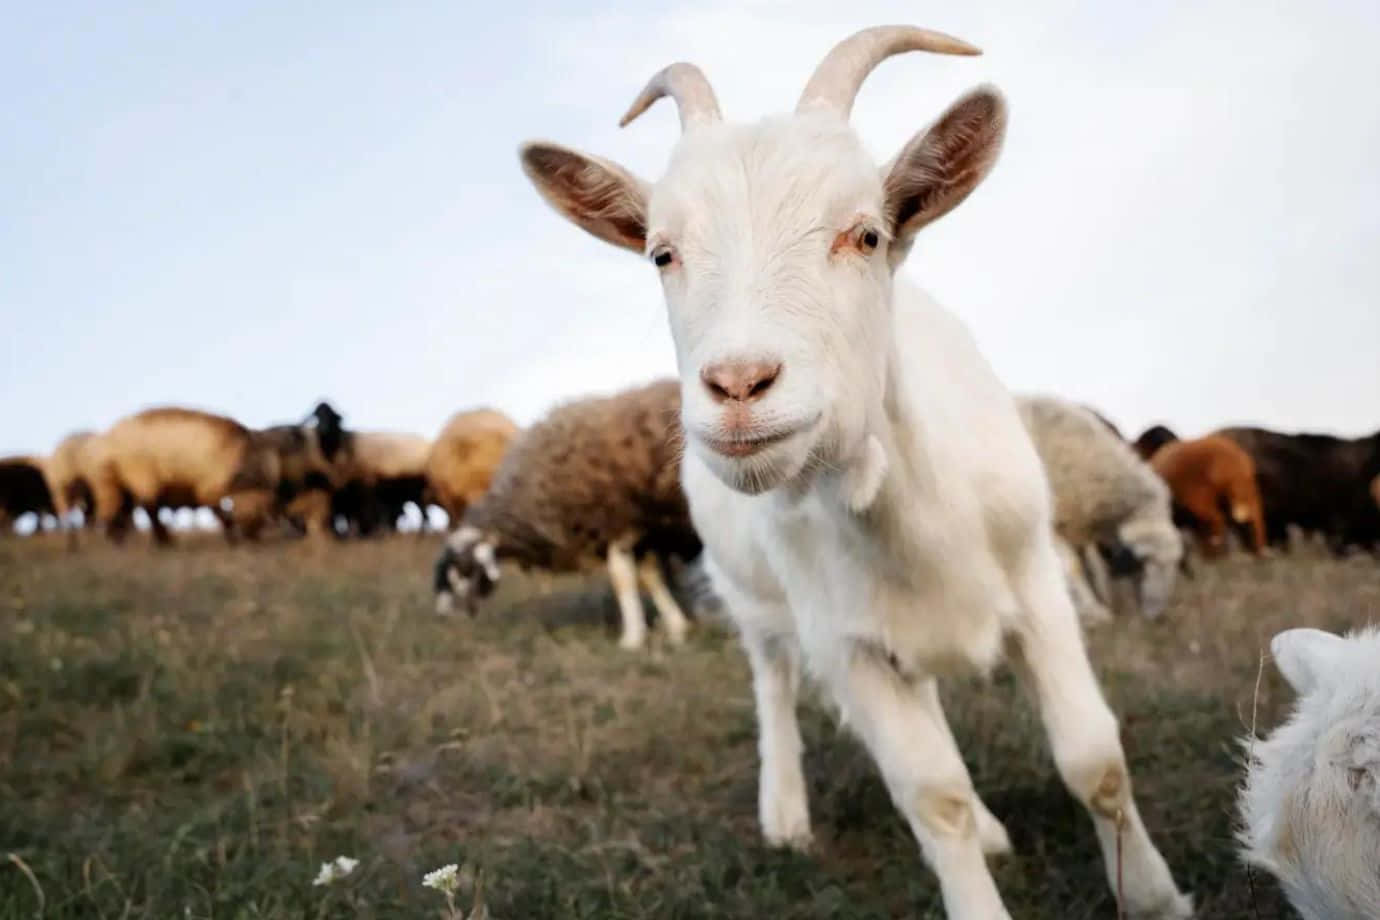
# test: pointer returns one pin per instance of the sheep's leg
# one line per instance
(1084, 738)
(924, 773)
(649, 573)
(991, 832)
(623, 575)
(1085, 601)
(783, 805)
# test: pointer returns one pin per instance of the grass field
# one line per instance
(191, 733)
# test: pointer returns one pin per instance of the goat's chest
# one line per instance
(931, 596)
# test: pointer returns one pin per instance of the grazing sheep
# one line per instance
(308, 474)
(174, 457)
(1212, 481)
(68, 470)
(1310, 804)
(384, 471)
(464, 457)
(597, 481)
(23, 490)
(1315, 482)
(799, 349)
(1104, 496)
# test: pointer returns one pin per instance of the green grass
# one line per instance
(190, 733)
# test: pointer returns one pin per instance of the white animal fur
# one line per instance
(1310, 805)
(1103, 492)
(760, 232)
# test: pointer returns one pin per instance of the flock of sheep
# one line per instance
(315, 476)
(837, 438)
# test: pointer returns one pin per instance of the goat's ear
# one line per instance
(599, 196)
(940, 166)
(1304, 656)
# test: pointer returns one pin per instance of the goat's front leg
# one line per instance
(1084, 737)
(672, 617)
(623, 575)
(923, 772)
(782, 801)
(991, 832)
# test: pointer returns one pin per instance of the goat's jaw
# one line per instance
(757, 465)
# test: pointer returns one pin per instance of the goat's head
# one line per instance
(467, 570)
(776, 243)
(1311, 801)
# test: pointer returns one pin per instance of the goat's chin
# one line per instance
(761, 472)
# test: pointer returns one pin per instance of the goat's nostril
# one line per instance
(740, 381)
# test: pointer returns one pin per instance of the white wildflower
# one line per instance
(335, 871)
(445, 879)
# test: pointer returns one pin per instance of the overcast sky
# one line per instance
(251, 208)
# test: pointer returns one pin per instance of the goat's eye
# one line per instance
(869, 239)
(662, 256)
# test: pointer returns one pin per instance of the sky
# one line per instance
(248, 207)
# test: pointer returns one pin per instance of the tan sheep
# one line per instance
(464, 456)
(184, 457)
(69, 469)
(384, 471)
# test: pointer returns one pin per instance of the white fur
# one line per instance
(1310, 805)
(953, 554)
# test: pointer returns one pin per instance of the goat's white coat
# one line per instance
(1310, 805)
(950, 557)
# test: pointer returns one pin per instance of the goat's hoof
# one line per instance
(445, 605)
(786, 824)
(800, 841)
(633, 643)
(676, 635)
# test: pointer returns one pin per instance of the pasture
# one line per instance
(192, 732)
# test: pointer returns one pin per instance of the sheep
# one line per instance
(176, 457)
(777, 244)
(23, 490)
(1104, 496)
(1310, 802)
(1207, 476)
(68, 472)
(311, 468)
(1316, 482)
(464, 456)
(385, 471)
(596, 481)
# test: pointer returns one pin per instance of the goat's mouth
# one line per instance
(749, 444)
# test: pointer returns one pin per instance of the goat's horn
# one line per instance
(684, 83)
(836, 80)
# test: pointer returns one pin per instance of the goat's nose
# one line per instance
(740, 381)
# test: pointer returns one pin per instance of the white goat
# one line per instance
(1311, 801)
(777, 243)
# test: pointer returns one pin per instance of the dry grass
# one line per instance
(191, 733)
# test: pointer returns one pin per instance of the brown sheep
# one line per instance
(1207, 476)
(596, 482)
(23, 490)
(184, 457)
(464, 457)
(69, 470)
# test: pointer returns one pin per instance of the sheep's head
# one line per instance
(330, 434)
(1311, 802)
(467, 570)
(776, 243)
(1152, 439)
